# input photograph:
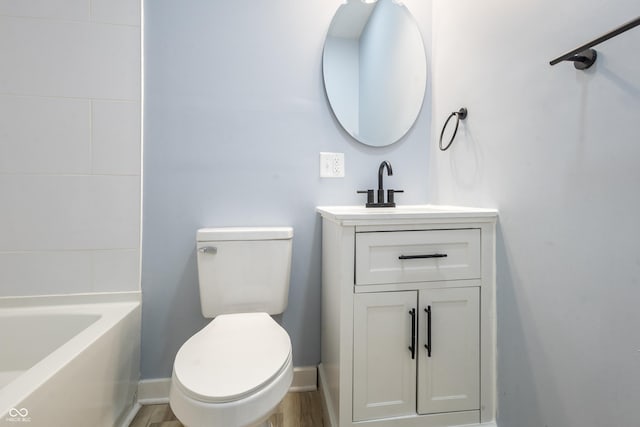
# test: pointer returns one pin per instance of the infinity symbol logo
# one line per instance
(13, 412)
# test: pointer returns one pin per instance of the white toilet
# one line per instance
(235, 371)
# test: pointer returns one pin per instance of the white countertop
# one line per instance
(415, 212)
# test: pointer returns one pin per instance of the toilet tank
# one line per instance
(244, 269)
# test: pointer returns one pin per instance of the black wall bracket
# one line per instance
(584, 59)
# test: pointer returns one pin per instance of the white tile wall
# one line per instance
(45, 135)
(69, 146)
(60, 272)
(44, 273)
(58, 9)
(124, 12)
(69, 59)
(116, 137)
(115, 270)
(49, 212)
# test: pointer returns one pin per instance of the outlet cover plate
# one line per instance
(331, 165)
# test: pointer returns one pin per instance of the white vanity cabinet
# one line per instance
(408, 316)
(416, 351)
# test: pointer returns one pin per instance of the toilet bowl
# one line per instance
(235, 371)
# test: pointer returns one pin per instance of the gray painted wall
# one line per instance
(556, 150)
(235, 118)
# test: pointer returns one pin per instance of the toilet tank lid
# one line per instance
(244, 233)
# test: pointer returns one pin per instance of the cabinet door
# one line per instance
(449, 372)
(384, 372)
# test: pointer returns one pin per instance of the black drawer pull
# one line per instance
(422, 256)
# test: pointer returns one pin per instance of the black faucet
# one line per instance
(390, 203)
(383, 165)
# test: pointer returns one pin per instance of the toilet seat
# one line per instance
(233, 357)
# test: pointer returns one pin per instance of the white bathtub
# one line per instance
(68, 361)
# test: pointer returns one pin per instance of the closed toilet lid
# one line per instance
(232, 357)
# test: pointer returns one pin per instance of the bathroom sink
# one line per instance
(345, 213)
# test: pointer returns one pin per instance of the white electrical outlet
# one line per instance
(331, 165)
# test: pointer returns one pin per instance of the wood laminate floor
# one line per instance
(296, 410)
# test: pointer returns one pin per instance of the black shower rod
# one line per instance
(583, 57)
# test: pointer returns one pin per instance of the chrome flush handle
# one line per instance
(208, 250)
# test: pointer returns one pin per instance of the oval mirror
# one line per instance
(375, 70)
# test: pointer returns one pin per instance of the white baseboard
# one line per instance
(153, 392)
(156, 391)
(305, 378)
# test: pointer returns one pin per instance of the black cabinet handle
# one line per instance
(428, 344)
(422, 256)
(412, 347)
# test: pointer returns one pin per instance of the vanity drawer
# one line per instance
(417, 256)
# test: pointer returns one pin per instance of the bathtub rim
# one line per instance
(112, 309)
